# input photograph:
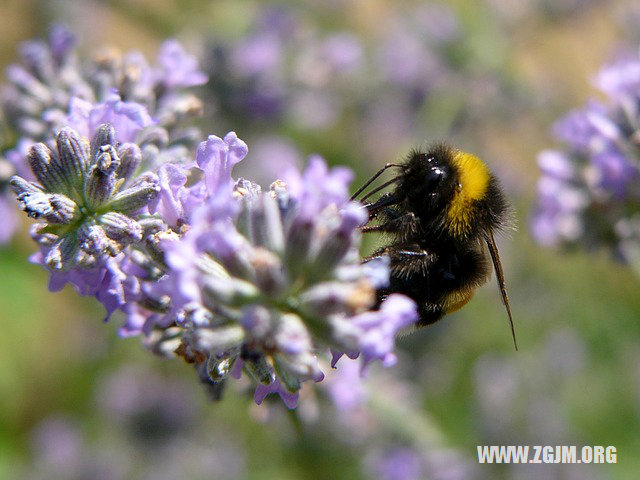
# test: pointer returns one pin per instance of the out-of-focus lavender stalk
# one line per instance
(589, 191)
(383, 416)
(151, 428)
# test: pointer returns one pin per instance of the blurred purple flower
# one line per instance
(288, 398)
(586, 191)
(439, 21)
(400, 463)
(558, 165)
(128, 118)
(621, 79)
(558, 214)
(176, 68)
(345, 386)
(151, 407)
(58, 443)
(342, 52)
(318, 186)
(257, 55)
(16, 160)
(613, 172)
(9, 220)
(406, 62)
(561, 203)
(61, 40)
(575, 128)
(271, 154)
(313, 109)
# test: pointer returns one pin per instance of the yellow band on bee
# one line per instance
(474, 181)
(457, 299)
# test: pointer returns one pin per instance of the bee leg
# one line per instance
(381, 203)
(373, 228)
(374, 256)
(412, 253)
(407, 251)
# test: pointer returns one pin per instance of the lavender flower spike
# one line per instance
(266, 281)
(588, 190)
(233, 279)
(86, 213)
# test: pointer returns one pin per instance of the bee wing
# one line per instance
(495, 258)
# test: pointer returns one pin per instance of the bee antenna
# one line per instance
(372, 179)
(377, 189)
(495, 258)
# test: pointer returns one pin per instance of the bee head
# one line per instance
(428, 182)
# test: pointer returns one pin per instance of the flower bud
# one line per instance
(52, 207)
(121, 228)
(269, 272)
(130, 158)
(93, 240)
(153, 135)
(105, 135)
(73, 152)
(101, 180)
(228, 291)
(216, 340)
(22, 187)
(44, 169)
(298, 246)
(62, 255)
(134, 198)
(266, 224)
(259, 368)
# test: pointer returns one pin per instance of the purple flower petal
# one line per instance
(61, 41)
(620, 79)
(289, 399)
(168, 203)
(176, 68)
(556, 164)
(318, 187)
(379, 328)
(216, 157)
(346, 388)
(614, 171)
(260, 54)
(397, 464)
(127, 118)
(9, 220)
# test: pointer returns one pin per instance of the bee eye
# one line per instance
(435, 175)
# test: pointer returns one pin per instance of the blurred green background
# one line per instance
(575, 380)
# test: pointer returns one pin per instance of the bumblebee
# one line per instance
(440, 217)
